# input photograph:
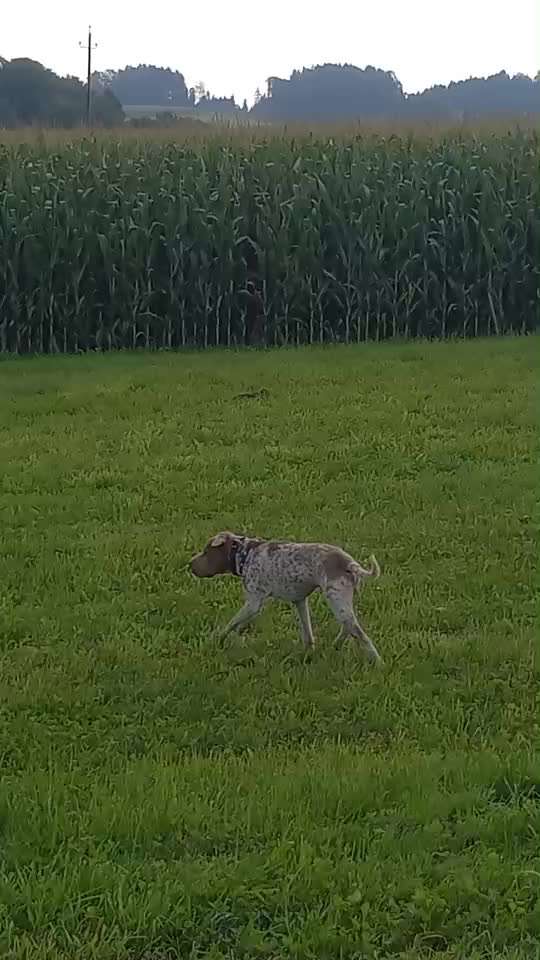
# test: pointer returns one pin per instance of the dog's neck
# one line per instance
(239, 554)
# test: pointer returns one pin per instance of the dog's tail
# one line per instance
(373, 570)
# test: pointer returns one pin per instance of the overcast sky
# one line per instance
(233, 47)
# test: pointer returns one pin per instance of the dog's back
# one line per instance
(287, 569)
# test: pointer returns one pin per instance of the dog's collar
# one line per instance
(239, 554)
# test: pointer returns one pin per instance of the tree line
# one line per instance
(341, 92)
(332, 92)
(31, 94)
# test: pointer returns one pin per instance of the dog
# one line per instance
(289, 571)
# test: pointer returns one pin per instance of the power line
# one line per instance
(89, 46)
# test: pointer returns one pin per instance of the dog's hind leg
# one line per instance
(340, 598)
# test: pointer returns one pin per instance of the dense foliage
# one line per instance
(333, 91)
(30, 95)
(223, 241)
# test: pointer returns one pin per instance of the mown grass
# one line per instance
(163, 797)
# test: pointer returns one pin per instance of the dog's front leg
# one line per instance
(250, 610)
(305, 624)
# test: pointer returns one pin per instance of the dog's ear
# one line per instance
(219, 540)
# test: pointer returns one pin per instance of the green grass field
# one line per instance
(163, 797)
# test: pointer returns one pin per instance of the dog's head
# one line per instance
(217, 556)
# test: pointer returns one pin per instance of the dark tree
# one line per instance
(147, 86)
(217, 106)
(498, 95)
(31, 95)
(331, 92)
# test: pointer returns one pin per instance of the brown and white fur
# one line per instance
(291, 572)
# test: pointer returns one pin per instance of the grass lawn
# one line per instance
(162, 797)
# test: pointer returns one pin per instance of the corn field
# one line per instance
(267, 240)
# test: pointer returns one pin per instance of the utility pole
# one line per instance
(89, 46)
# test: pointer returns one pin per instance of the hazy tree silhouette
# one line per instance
(222, 106)
(498, 95)
(146, 86)
(32, 95)
(332, 92)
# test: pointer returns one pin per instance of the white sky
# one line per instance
(233, 47)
